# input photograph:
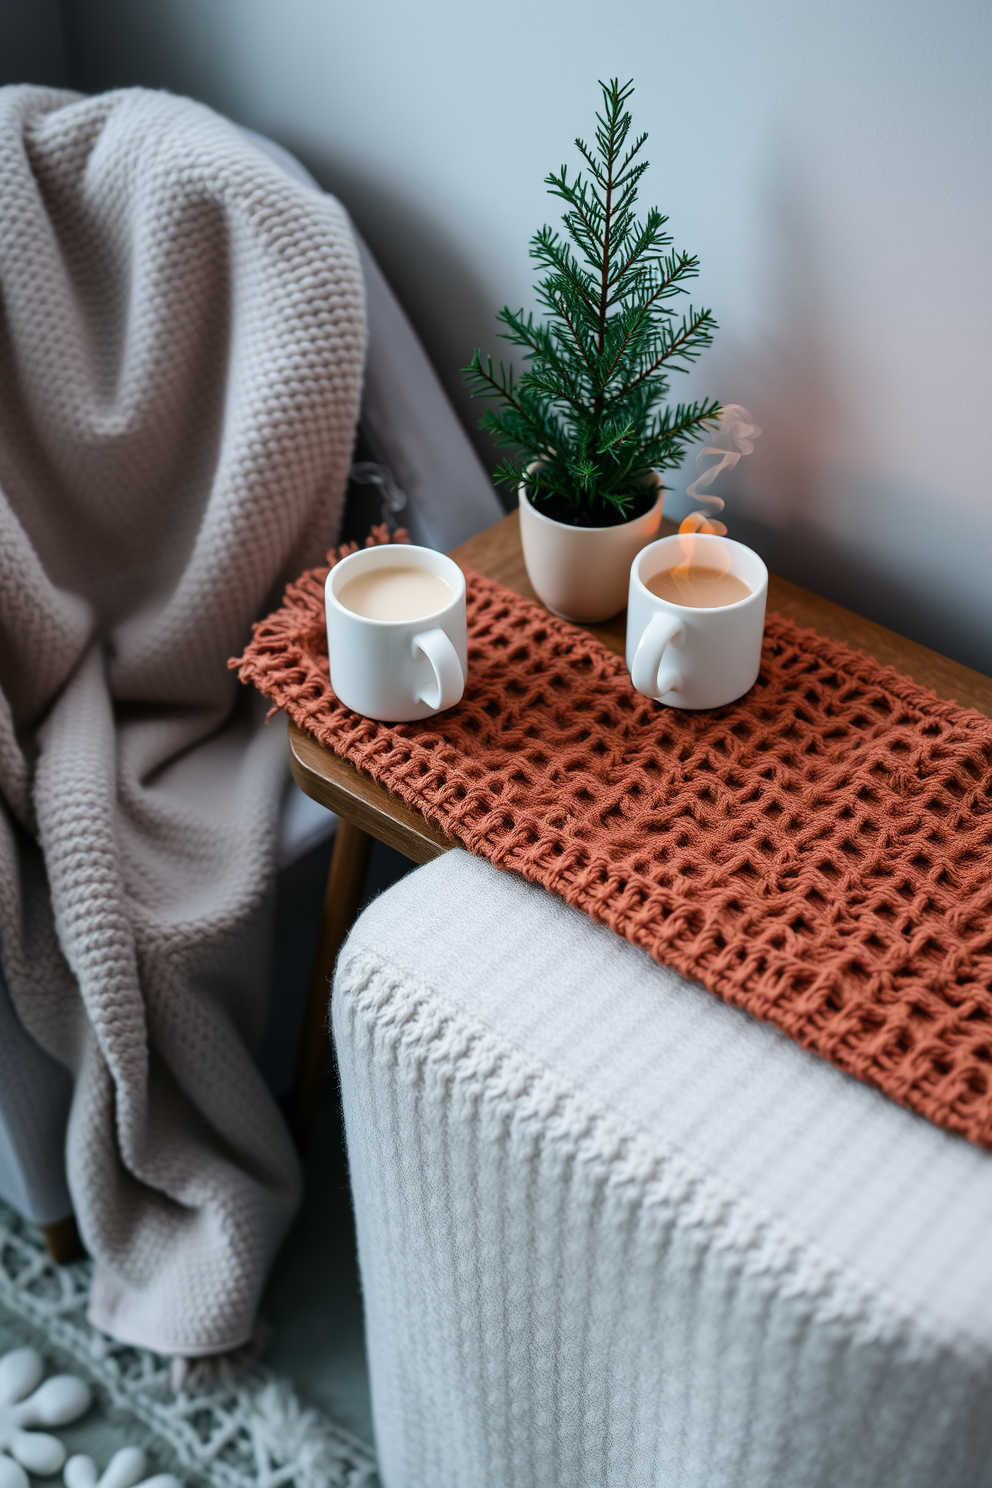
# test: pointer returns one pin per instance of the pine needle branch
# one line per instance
(586, 419)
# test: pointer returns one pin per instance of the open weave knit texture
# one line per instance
(817, 853)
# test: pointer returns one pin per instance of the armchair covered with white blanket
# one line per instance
(614, 1233)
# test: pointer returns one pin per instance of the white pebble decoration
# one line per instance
(24, 1403)
(126, 1470)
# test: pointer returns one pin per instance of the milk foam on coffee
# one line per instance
(698, 587)
(395, 594)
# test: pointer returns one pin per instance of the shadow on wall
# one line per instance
(413, 252)
(31, 46)
(912, 605)
(814, 498)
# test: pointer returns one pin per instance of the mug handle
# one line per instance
(645, 672)
(449, 681)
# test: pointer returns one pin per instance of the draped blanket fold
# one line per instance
(181, 345)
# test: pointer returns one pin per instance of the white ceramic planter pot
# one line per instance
(582, 573)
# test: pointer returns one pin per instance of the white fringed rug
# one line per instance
(251, 1433)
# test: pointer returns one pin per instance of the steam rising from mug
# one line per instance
(733, 437)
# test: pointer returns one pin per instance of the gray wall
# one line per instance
(830, 164)
(31, 48)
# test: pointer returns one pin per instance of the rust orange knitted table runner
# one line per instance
(819, 853)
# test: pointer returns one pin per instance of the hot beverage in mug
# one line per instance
(396, 632)
(695, 617)
(698, 587)
(395, 594)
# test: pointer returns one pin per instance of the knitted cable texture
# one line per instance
(817, 853)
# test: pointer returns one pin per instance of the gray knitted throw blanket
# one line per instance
(181, 346)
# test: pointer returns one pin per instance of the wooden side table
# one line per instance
(367, 810)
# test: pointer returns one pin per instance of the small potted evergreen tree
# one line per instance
(587, 420)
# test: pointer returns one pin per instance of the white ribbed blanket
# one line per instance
(616, 1234)
(181, 346)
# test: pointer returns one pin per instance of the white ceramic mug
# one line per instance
(695, 658)
(397, 670)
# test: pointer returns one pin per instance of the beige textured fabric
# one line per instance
(181, 344)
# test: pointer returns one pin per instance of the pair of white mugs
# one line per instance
(403, 670)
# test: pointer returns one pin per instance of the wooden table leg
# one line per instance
(62, 1240)
(342, 900)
